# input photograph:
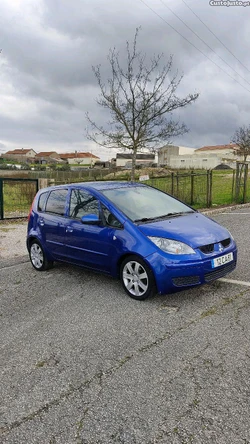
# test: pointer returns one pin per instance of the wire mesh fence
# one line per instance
(16, 196)
(206, 189)
(192, 188)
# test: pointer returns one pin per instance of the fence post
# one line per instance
(177, 185)
(172, 184)
(241, 183)
(237, 184)
(245, 184)
(43, 183)
(233, 185)
(1, 199)
(209, 188)
(192, 188)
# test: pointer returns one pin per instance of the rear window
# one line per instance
(56, 202)
(41, 201)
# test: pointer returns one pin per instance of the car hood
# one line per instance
(193, 229)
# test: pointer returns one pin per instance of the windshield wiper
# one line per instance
(181, 213)
(147, 219)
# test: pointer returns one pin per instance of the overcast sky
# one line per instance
(49, 47)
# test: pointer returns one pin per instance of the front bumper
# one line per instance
(173, 275)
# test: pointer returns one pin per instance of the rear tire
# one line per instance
(137, 278)
(38, 258)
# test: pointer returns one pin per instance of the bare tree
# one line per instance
(140, 99)
(241, 138)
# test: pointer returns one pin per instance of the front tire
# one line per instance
(137, 278)
(38, 258)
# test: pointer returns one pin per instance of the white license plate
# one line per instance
(222, 260)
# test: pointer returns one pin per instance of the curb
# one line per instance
(222, 209)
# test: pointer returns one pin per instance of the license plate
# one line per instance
(222, 260)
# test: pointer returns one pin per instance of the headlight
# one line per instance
(171, 246)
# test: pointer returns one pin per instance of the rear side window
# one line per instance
(41, 201)
(56, 202)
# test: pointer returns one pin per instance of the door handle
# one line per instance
(69, 229)
(41, 222)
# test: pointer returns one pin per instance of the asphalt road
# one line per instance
(82, 363)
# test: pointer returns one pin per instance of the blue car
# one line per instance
(152, 241)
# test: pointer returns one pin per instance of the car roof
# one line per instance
(107, 185)
(100, 186)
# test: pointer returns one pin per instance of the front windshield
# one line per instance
(143, 203)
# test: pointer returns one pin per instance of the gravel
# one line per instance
(13, 239)
(13, 233)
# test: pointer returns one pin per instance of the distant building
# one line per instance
(207, 157)
(48, 157)
(76, 158)
(227, 151)
(142, 159)
(167, 152)
(21, 154)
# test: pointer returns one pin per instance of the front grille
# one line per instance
(226, 242)
(206, 249)
(220, 272)
(185, 281)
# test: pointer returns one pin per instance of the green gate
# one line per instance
(16, 197)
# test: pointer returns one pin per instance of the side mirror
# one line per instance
(90, 219)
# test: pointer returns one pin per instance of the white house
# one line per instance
(228, 151)
(207, 157)
(76, 158)
(20, 154)
(168, 153)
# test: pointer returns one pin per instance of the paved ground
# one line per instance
(12, 240)
(82, 363)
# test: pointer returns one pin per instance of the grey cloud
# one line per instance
(48, 57)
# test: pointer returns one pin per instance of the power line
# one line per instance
(216, 64)
(203, 41)
(215, 35)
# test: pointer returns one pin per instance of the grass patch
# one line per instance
(209, 312)
(18, 197)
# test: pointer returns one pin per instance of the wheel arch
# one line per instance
(128, 254)
(30, 239)
(33, 238)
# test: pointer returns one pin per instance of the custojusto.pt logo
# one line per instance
(228, 3)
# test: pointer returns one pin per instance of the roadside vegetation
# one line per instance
(18, 197)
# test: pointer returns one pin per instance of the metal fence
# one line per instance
(192, 188)
(207, 189)
(199, 189)
(16, 196)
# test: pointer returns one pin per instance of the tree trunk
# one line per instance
(133, 164)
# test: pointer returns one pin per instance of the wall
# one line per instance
(198, 162)
(82, 161)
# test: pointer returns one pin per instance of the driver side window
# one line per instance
(82, 203)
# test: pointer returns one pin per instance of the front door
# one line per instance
(88, 245)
